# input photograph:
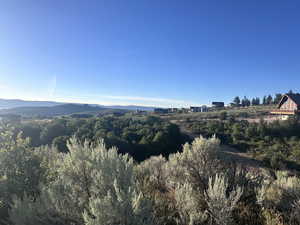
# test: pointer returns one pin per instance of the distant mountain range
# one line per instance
(13, 103)
(59, 110)
(48, 108)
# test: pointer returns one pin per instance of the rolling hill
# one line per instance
(16, 103)
(59, 110)
(13, 103)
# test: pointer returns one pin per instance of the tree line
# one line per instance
(265, 100)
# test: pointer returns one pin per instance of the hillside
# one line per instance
(247, 113)
(59, 110)
(16, 103)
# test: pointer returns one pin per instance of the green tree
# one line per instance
(277, 98)
(237, 101)
(255, 101)
(265, 102)
(269, 100)
(245, 102)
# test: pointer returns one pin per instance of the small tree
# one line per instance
(255, 101)
(265, 100)
(277, 98)
(237, 101)
(269, 100)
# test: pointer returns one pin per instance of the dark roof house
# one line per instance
(288, 105)
(218, 104)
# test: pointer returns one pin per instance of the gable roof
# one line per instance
(294, 97)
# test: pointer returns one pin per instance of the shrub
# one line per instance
(195, 164)
(188, 205)
(89, 178)
(221, 203)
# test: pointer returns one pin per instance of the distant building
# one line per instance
(184, 110)
(173, 110)
(288, 105)
(195, 109)
(198, 108)
(161, 110)
(218, 104)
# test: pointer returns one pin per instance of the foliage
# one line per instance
(120, 207)
(195, 164)
(188, 206)
(221, 203)
(140, 137)
(91, 183)
(277, 143)
(89, 179)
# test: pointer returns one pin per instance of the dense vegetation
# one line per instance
(277, 143)
(121, 170)
(140, 137)
(93, 185)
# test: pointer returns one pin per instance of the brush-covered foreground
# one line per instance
(93, 185)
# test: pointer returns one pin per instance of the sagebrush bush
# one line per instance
(88, 176)
(195, 164)
(94, 185)
(221, 203)
(188, 205)
(120, 207)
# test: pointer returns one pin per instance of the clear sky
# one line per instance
(148, 52)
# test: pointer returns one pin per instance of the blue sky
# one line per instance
(148, 52)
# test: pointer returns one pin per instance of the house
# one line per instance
(195, 109)
(198, 108)
(218, 104)
(288, 105)
(184, 110)
(204, 108)
(173, 110)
